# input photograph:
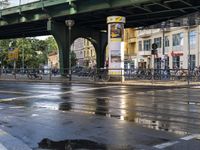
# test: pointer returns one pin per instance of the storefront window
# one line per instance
(157, 63)
(166, 41)
(178, 39)
(140, 46)
(176, 62)
(193, 37)
(192, 62)
(158, 41)
(147, 45)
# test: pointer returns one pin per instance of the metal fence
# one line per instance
(104, 75)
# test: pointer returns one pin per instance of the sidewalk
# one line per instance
(85, 80)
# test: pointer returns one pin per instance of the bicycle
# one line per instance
(34, 76)
(99, 75)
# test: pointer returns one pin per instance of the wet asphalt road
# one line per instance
(125, 117)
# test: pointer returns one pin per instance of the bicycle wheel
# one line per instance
(105, 77)
(40, 77)
(92, 77)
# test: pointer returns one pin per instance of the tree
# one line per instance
(52, 45)
(4, 46)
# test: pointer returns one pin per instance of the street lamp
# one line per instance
(163, 25)
(187, 21)
(69, 23)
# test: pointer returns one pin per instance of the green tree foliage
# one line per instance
(4, 46)
(34, 51)
(52, 45)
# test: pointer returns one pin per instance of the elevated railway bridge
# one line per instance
(47, 17)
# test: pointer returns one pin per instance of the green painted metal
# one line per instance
(35, 11)
(21, 20)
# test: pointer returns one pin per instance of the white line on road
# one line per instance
(2, 147)
(56, 94)
(193, 136)
(186, 138)
(164, 145)
(13, 92)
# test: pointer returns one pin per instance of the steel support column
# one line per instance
(59, 31)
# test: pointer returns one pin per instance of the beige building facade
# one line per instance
(53, 60)
(180, 45)
(85, 52)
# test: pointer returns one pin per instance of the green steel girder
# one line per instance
(90, 13)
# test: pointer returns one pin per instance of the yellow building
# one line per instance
(89, 54)
(130, 47)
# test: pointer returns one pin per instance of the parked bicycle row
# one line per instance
(104, 74)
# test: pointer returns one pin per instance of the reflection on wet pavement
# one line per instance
(172, 110)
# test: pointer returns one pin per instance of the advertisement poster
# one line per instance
(116, 32)
(115, 56)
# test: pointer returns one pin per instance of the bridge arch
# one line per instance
(85, 49)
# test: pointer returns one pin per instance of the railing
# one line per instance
(104, 75)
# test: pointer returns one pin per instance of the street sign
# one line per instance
(13, 55)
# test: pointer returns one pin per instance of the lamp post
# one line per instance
(69, 24)
(187, 21)
(163, 24)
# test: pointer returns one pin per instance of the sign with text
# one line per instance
(14, 54)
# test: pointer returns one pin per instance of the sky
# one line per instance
(16, 2)
(42, 37)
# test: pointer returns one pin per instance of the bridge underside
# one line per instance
(29, 20)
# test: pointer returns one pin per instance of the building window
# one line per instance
(178, 39)
(140, 46)
(192, 62)
(147, 45)
(166, 41)
(193, 36)
(176, 62)
(158, 41)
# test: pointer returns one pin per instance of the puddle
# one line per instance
(70, 144)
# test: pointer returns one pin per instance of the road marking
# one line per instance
(186, 138)
(56, 94)
(13, 92)
(164, 145)
(34, 115)
(14, 144)
(17, 107)
(2, 147)
(193, 136)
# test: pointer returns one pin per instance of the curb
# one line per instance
(138, 84)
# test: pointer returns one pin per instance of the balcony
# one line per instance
(144, 53)
(132, 40)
